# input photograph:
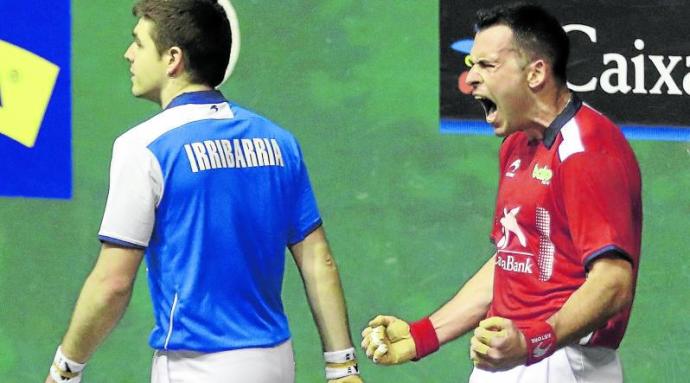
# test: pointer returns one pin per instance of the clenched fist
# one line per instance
(387, 341)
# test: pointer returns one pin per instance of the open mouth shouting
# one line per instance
(490, 108)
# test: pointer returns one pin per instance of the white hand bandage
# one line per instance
(64, 369)
(377, 337)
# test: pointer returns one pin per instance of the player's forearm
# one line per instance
(607, 290)
(325, 295)
(101, 304)
(469, 306)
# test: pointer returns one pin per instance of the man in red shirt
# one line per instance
(553, 302)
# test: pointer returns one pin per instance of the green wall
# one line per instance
(407, 209)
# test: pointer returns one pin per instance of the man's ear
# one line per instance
(536, 73)
(175, 58)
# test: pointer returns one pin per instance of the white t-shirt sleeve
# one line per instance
(136, 186)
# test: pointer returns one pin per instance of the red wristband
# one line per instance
(541, 341)
(424, 337)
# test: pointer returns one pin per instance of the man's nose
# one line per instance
(473, 79)
(128, 54)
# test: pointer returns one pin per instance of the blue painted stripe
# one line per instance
(632, 132)
(471, 127)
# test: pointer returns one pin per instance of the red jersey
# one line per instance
(562, 202)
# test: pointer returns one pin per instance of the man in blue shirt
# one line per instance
(210, 194)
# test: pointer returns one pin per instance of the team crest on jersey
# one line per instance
(542, 174)
(513, 168)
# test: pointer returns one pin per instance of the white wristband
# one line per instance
(64, 369)
(345, 363)
(340, 356)
(341, 372)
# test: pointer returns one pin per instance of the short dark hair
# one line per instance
(536, 32)
(199, 27)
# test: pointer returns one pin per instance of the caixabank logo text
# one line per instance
(670, 74)
(35, 99)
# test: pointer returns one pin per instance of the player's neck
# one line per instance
(546, 109)
(177, 87)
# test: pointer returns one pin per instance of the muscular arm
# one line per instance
(469, 306)
(102, 301)
(324, 291)
(607, 290)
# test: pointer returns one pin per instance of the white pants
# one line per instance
(571, 364)
(256, 365)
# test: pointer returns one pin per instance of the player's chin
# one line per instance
(503, 129)
(500, 131)
(140, 93)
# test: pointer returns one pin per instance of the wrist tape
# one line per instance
(64, 369)
(540, 339)
(340, 364)
(425, 338)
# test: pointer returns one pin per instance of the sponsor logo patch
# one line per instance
(542, 174)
